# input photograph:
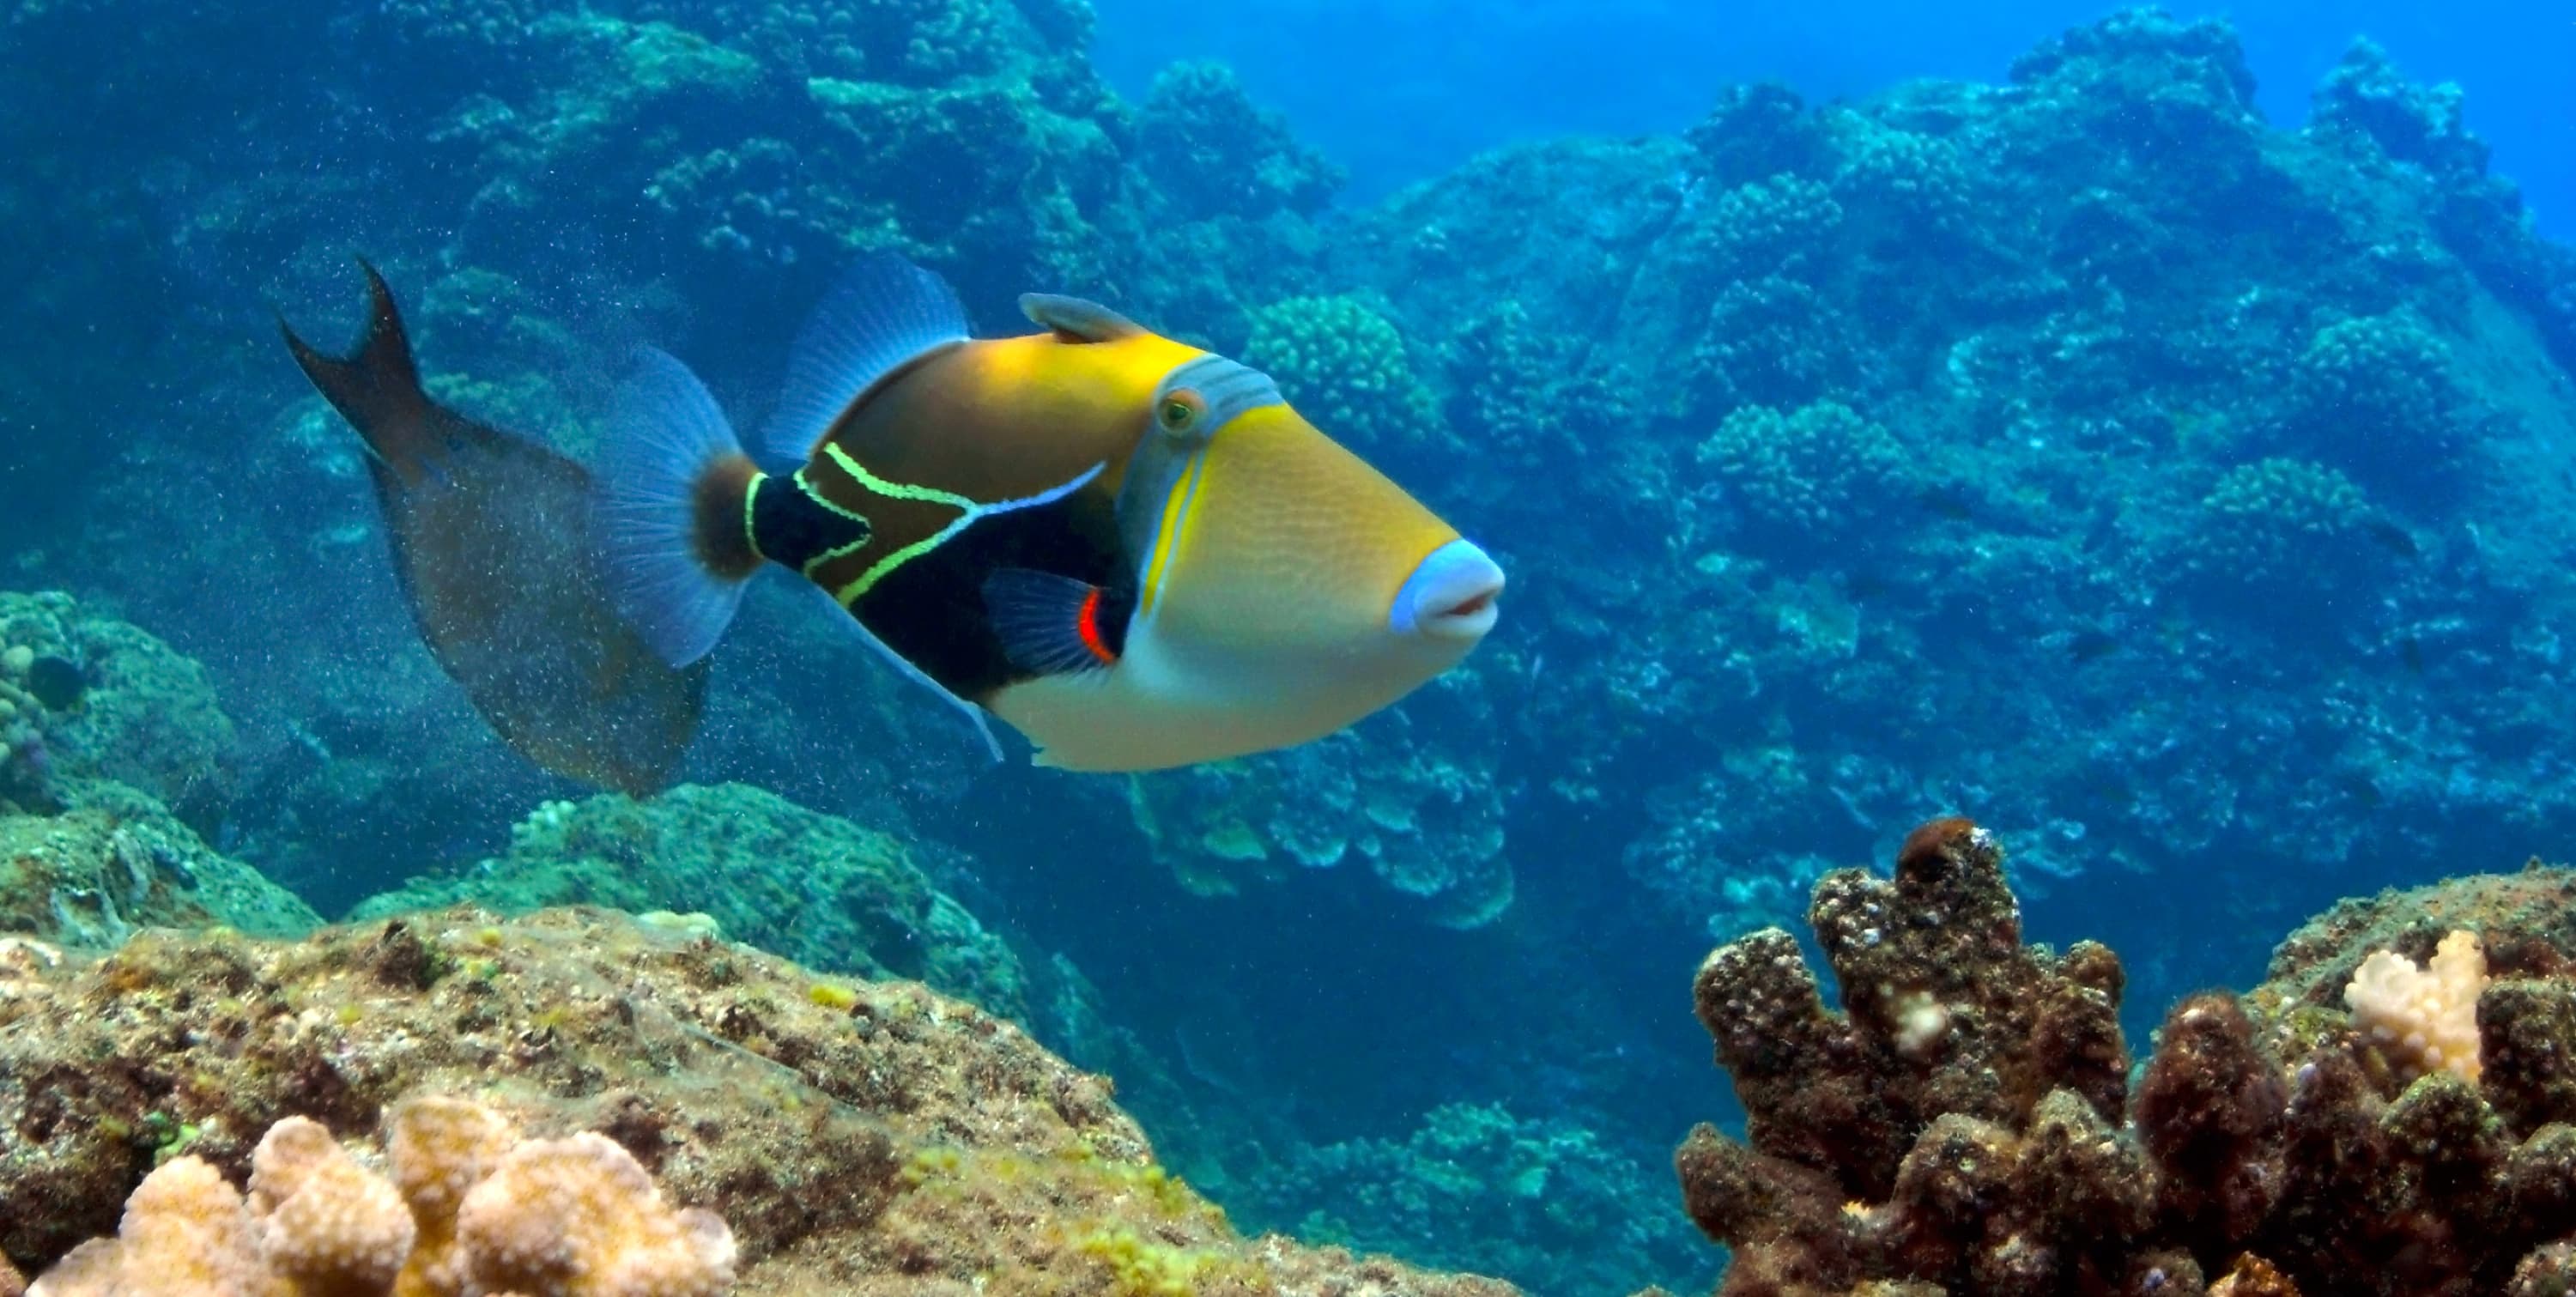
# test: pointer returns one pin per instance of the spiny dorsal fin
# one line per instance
(1077, 320)
(884, 314)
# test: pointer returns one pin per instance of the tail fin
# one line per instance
(674, 491)
(377, 387)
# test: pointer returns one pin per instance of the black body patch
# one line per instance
(793, 527)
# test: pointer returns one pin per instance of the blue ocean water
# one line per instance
(1397, 92)
(2033, 414)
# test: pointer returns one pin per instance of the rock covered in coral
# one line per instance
(816, 888)
(468, 1208)
(1345, 366)
(84, 696)
(1542, 1199)
(1414, 808)
(94, 874)
(859, 1137)
(1968, 1122)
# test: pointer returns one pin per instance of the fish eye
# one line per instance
(1181, 411)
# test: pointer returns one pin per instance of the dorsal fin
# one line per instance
(884, 314)
(1076, 320)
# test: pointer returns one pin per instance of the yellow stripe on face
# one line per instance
(1168, 536)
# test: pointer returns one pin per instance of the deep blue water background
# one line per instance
(1399, 91)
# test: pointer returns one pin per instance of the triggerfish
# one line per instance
(489, 534)
(1132, 550)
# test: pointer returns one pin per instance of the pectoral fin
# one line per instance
(1056, 625)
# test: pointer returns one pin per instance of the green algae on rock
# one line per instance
(146, 715)
(117, 862)
(874, 1144)
(815, 888)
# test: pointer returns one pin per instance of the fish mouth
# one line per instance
(1452, 595)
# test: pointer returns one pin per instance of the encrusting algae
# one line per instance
(877, 1138)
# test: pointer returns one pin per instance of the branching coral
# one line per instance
(2375, 396)
(1771, 226)
(1773, 341)
(1968, 1122)
(1813, 475)
(1345, 366)
(1213, 152)
(475, 1212)
(2284, 529)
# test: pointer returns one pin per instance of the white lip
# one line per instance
(1453, 595)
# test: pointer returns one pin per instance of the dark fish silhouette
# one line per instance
(2393, 538)
(2091, 645)
(57, 682)
(491, 540)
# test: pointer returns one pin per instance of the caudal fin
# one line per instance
(377, 386)
(674, 486)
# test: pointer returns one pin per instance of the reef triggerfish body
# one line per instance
(1132, 550)
(490, 537)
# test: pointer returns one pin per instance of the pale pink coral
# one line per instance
(579, 1218)
(470, 1212)
(2422, 1019)
(185, 1230)
(327, 1223)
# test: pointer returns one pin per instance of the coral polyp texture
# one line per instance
(1968, 1123)
(654, 1111)
(477, 1211)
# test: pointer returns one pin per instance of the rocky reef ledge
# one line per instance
(853, 1136)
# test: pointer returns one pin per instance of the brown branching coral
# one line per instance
(1966, 1125)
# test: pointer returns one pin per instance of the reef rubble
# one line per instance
(853, 1136)
(1969, 1124)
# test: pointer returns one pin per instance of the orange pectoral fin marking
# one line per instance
(1087, 622)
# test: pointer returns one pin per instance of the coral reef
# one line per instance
(1344, 365)
(855, 1137)
(1968, 1122)
(1205, 147)
(1813, 478)
(94, 874)
(1402, 801)
(477, 1211)
(85, 697)
(2167, 577)
(2375, 396)
(2271, 529)
(1545, 1202)
(815, 888)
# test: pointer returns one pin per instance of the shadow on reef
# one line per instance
(1970, 1122)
